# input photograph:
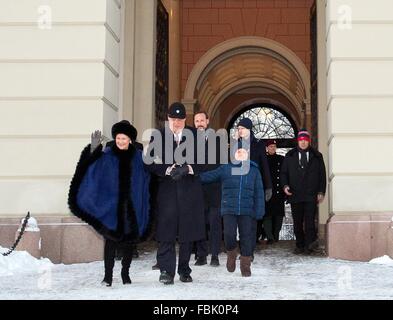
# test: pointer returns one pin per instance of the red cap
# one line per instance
(270, 141)
(303, 135)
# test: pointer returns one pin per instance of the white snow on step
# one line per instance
(385, 260)
(20, 262)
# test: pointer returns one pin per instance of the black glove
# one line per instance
(95, 140)
(179, 171)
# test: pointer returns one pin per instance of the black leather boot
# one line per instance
(109, 262)
(126, 262)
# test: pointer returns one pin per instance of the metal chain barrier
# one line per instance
(19, 237)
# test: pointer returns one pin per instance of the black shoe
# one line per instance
(107, 282)
(166, 278)
(155, 267)
(135, 254)
(298, 250)
(214, 261)
(201, 261)
(125, 277)
(185, 278)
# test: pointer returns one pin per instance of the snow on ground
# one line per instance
(277, 274)
(20, 262)
(385, 260)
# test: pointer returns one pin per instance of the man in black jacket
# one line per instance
(303, 178)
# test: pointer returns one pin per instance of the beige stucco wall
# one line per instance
(360, 131)
(57, 85)
(360, 105)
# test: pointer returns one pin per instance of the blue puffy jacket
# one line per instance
(242, 188)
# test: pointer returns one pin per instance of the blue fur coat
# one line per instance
(110, 191)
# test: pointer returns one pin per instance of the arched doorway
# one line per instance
(242, 74)
(248, 68)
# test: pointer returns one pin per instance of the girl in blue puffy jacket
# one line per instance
(242, 202)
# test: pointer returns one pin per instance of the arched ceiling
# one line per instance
(223, 74)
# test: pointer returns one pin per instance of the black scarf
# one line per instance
(303, 157)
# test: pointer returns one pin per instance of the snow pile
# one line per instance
(20, 262)
(32, 225)
(386, 260)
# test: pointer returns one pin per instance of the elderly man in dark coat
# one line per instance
(180, 206)
(303, 178)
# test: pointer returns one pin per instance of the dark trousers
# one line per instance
(110, 248)
(304, 213)
(166, 257)
(272, 225)
(256, 231)
(215, 234)
(246, 235)
(260, 230)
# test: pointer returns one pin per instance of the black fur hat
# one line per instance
(126, 128)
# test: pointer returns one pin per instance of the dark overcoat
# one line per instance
(275, 206)
(304, 184)
(180, 205)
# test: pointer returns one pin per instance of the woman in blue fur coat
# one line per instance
(110, 191)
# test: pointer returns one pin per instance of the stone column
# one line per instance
(173, 8)
(128, 59)
(190, 108)
(145, 64)
(359, 95)
(322, 110)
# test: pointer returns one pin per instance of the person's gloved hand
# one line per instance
(268, 194)
(179, 171)
(96, 139)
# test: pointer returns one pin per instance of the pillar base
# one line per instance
(63, 239)
(360, 237)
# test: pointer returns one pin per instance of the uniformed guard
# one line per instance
(275, 208)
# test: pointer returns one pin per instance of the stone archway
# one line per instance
(247, 62)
